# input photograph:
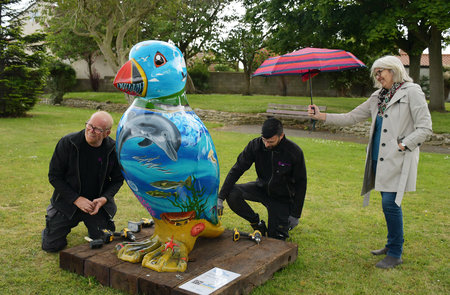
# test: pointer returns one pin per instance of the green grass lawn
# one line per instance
(258, 103)
(334, 237)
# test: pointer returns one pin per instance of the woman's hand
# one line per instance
(314, 113)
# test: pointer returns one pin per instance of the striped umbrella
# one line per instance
(308, 62)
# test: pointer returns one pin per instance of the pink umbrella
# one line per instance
(308, 62)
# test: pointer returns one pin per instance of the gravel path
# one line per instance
(256, 129)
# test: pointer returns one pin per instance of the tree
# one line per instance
(415, 25)
(191, 26)
(437, 17)
(194, 24)
(296, 24)
(66, 45)
(369, 29)
(117, 25)
(22, 58)
(245, 40)
(114, 25)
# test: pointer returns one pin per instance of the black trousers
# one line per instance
(58, 226)
(278, 211)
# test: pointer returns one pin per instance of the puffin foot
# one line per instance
(135, 251)
(169, 257)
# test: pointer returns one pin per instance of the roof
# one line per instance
(424, 59)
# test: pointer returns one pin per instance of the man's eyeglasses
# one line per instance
(94, 129)
(378, 73)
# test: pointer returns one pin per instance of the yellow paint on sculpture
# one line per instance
(167, 250)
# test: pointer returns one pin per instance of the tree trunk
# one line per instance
(414, 67)
(283, 85)
(190, 87)
(129, 98)
(437, 99)
(89, 62)
(246, 90)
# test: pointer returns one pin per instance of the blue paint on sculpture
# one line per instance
(165, 151)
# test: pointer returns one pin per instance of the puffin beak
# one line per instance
(131, 79)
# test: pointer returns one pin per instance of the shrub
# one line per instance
(19, 90)
(222, 68)
(61, 79)
(200, 76)
(425, 85)
(22, 74)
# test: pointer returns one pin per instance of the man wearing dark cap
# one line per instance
(281, 183)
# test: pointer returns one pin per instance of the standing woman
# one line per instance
(401, 122)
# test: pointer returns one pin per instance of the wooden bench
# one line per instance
(289, 111)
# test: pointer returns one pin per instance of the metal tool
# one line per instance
(136, 226)
(255, 236)
(94, 244)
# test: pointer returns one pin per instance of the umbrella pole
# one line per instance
(310, 85)
(313, 122)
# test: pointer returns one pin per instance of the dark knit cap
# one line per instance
(271, 127)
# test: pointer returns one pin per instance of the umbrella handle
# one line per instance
(310, 85)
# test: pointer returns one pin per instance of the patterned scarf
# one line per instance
(384, 97)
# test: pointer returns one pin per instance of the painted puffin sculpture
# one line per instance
(167, 157)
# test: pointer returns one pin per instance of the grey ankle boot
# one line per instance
(380, 251)
(389, 262)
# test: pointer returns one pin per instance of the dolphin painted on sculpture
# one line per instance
(153, 128)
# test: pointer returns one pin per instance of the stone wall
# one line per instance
(105, 85)
(234, 83)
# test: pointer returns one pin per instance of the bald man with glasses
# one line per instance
(85, 174)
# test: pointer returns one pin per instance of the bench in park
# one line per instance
(289, 111)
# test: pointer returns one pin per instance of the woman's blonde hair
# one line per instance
(393, 64)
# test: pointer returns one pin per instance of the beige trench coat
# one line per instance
(406, 118)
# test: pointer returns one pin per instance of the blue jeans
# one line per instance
(394, 221)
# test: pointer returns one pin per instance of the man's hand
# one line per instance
(292, 222)
(98, 203)
(219, 206)
(84, 204)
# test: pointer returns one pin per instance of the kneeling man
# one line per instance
(281, 183)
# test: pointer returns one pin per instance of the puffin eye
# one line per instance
(159, 59)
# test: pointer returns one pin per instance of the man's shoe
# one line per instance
(389, 262)
(380, 251)
(261, 226)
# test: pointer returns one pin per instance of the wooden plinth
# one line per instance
(255, 263)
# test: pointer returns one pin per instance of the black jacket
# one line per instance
(281, 171)
(64, 174)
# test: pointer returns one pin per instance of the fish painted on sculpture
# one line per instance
(167, 157)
